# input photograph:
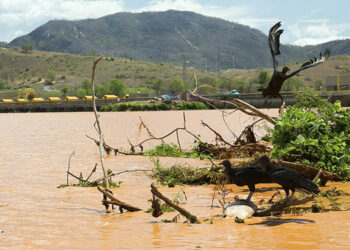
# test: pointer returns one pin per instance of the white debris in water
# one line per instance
(240, 211)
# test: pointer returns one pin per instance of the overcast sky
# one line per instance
(304, 21)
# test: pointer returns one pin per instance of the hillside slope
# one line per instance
(172, 36)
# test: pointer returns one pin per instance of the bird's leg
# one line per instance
(291, 197)
(249, 196)
(251, 192)
(287, 194)
(270, 104)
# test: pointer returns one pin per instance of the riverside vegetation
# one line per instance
(313, 132)
(64, 74)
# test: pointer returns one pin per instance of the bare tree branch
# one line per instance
(188, 215)
(98, 126)
(277, 207)
(71, 155)
(217, 134)
(115, 201)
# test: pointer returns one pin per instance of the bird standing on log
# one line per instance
(289, 179)
(246, 176)
(278, 77)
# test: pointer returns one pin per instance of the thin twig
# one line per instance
(318, 175)
(146, 127)
(76, 177)
(178, 140)
(217, 134)
(93, 171)
(71, 155)
(122, 172)
(105, 145)
(212, 200)
(227, 126)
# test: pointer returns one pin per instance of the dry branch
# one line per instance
(106, 147)
(117, 202)
(227, 126)
(241, 106)
(278, 207)
(122, 172)
(237, 104)
(72, 154)
(255, 111)
(310, 172)
(188, 215)
(97, 123)
(167, 135)
(217, 134)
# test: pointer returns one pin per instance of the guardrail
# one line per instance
(254, 99)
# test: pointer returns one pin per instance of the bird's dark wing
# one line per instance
(290, 178)
(252, 175)
(311, 63)
(274, 42)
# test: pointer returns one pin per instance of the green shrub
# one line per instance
(191, 105)
(163, 106)
(165, 150)
(120, 107)
(81, 93)
(178, 174)
(315, 132)
(173, 150)
(137, 107)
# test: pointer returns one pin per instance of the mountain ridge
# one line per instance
(203, 42)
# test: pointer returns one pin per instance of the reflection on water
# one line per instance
(35, 214)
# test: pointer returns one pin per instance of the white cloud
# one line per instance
(310, 32)
(229, 13)
(19, 15)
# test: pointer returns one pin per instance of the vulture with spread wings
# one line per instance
(278, 77)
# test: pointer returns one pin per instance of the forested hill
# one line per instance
(170, 36)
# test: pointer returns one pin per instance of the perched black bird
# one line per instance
(278, 77)
(288, 178)
(246, 176)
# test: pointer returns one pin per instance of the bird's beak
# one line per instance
(221, 164)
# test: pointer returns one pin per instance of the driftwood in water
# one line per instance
(310, 172)
(157, 211)
(117, 202)
(192, 218)
(278, 207)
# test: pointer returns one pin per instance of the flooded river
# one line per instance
(35, 214)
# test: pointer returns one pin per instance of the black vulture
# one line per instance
(278, 77)
(288, 178)
(246, 176)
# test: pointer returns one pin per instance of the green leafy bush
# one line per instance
(132, 106)
(191, 105)
(178, 174)
(173, 150)
(315, 132)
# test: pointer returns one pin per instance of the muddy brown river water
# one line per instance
(35, 214)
